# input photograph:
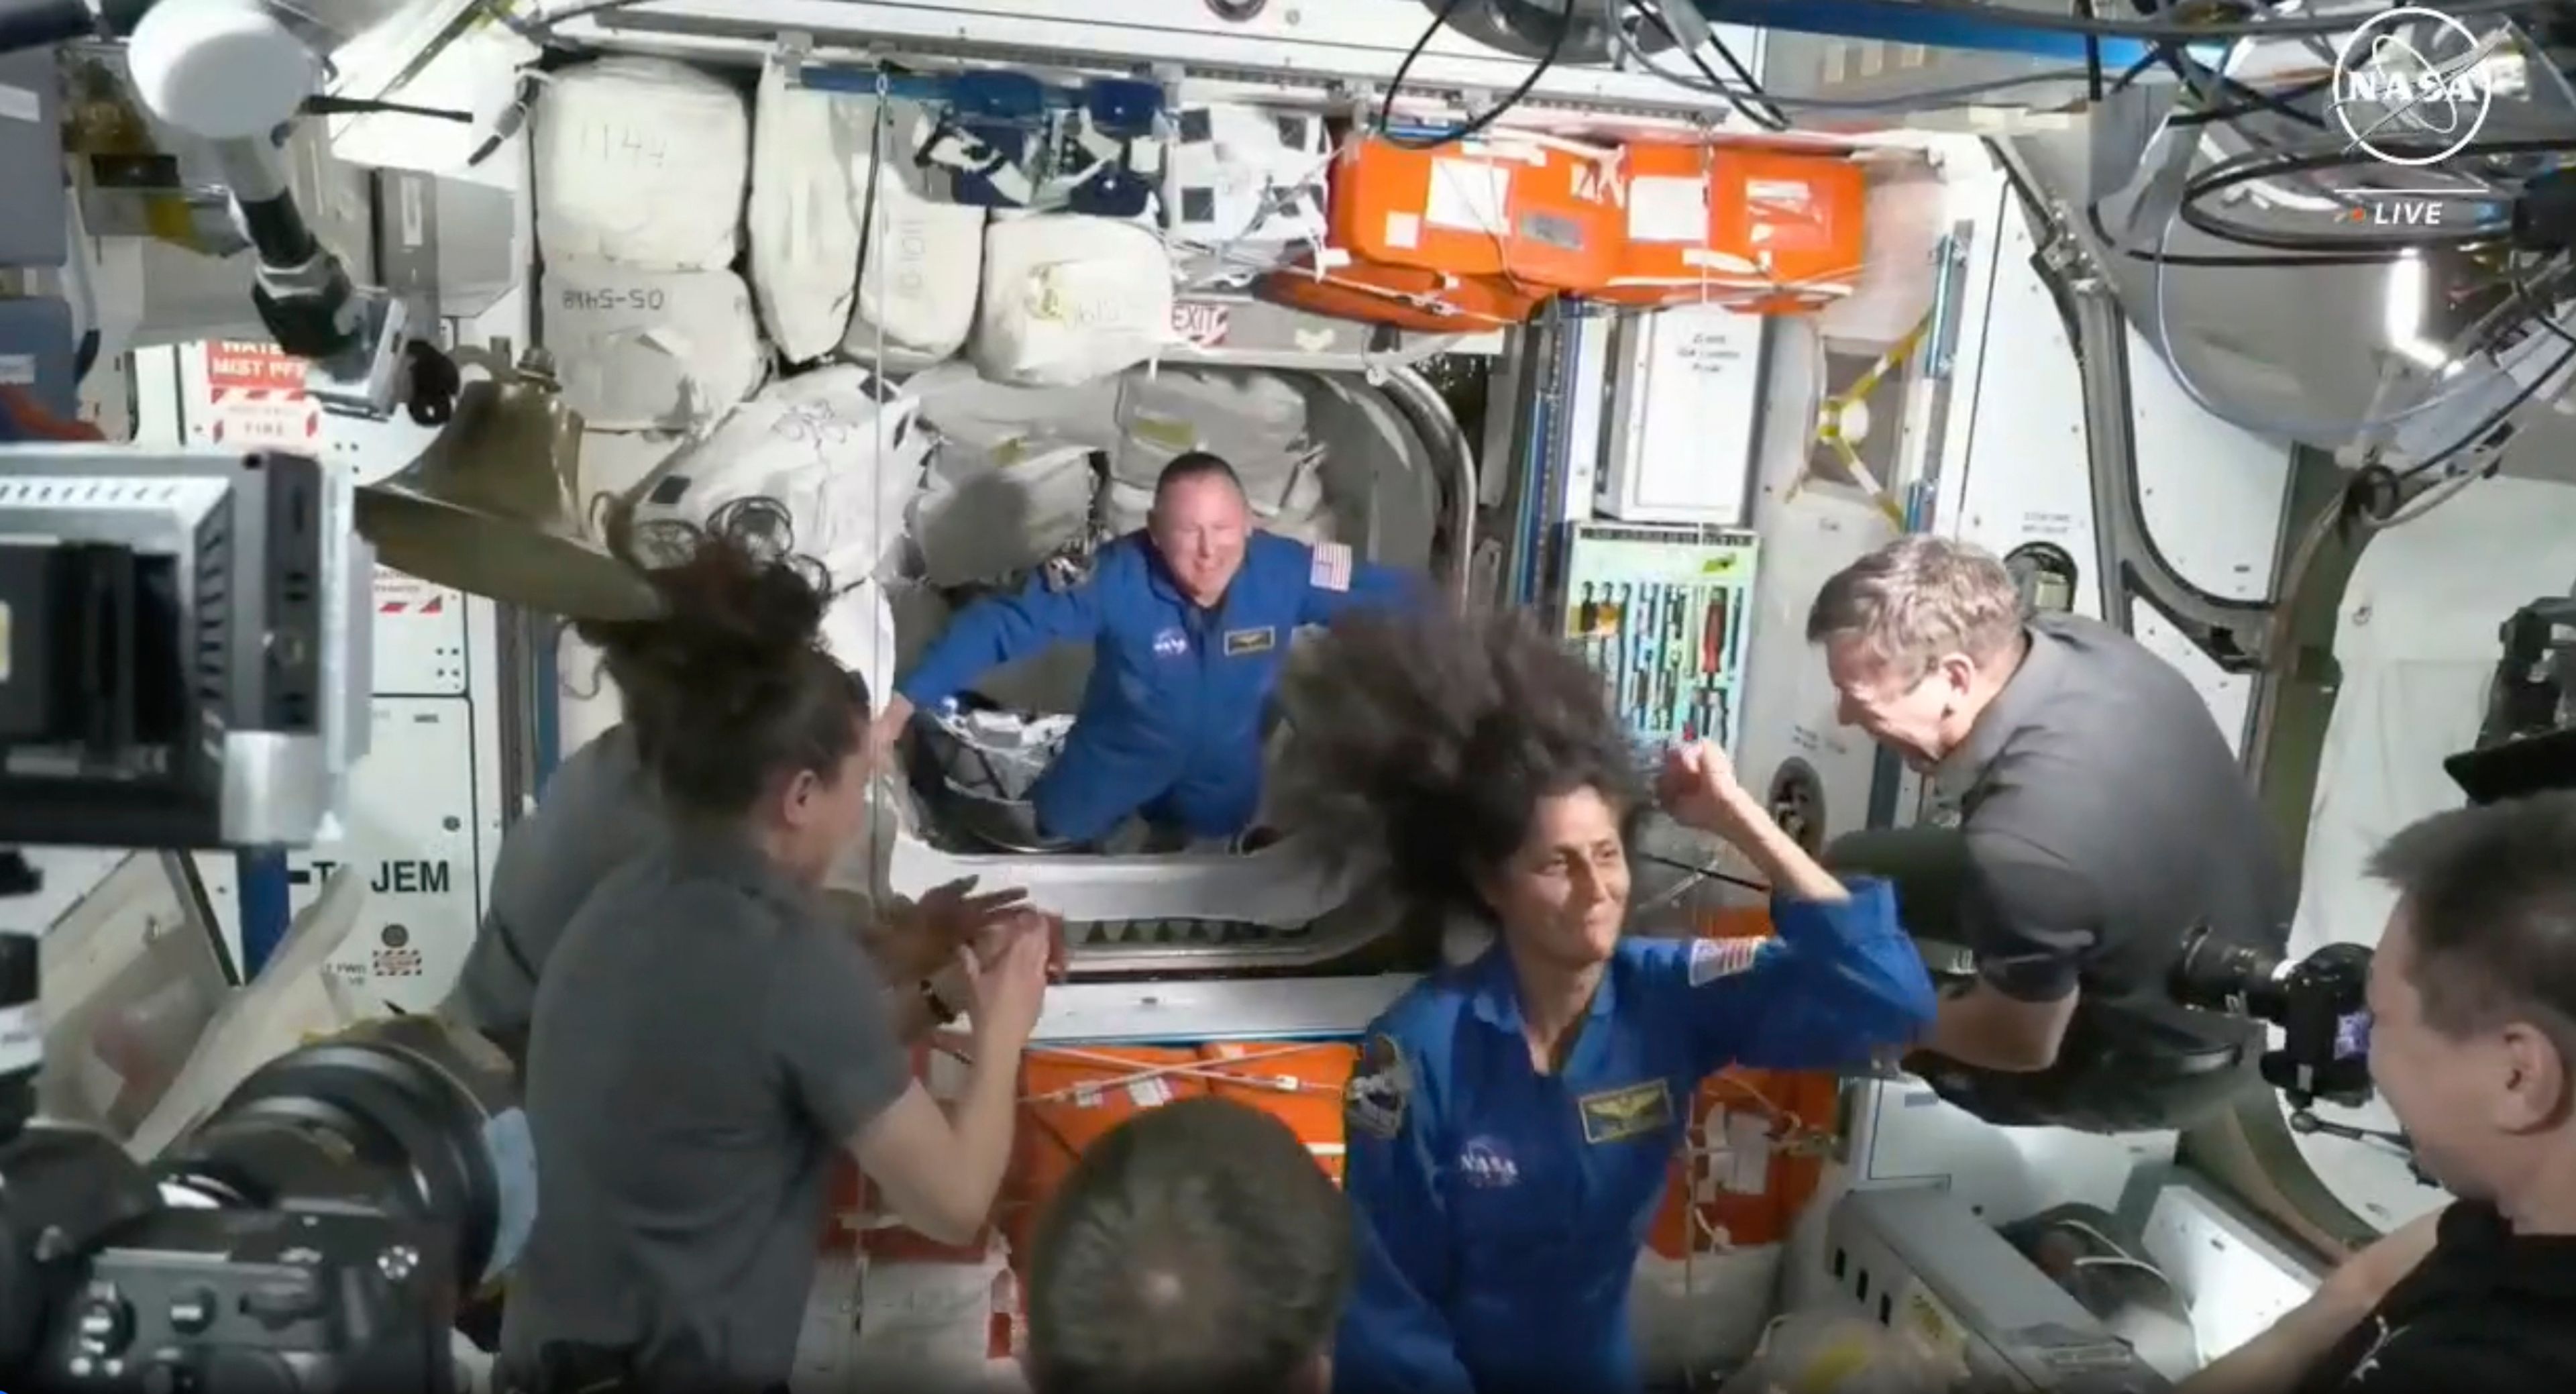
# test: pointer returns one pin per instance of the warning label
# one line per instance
(255, 396)
(233, 365)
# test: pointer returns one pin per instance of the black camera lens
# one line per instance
(2216, 976)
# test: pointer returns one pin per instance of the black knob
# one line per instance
(106, 1323)
(169, 1377)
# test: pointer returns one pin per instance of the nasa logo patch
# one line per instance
(1712, 959)
(1171, 643)
(1485, 1165)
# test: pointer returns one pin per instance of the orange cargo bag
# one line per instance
(1789, 224)
(1529, 211)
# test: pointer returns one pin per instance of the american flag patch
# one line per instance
(1332, 567)
(1712, 959)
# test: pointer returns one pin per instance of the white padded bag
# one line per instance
(1069, 298)
(985, 416)
(651, 350)
(642, 162)
(924, 262)
(842, 452)
(1243, 189)
(1256, 420)
(802, 229)
(986, 518)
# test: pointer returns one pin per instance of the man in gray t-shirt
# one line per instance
(705, 1039)
(599, 811)
(2101, 818)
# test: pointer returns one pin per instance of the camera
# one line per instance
(2320, 1002)
(315, 1232)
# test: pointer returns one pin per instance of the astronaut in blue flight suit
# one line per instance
(1190, 619)
(1510, 1123)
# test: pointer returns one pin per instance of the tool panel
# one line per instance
(1660, 613)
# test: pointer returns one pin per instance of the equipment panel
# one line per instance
(413, 852)
(1660, 613)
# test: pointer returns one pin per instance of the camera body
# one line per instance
(2320, 1002)
(316, 1233)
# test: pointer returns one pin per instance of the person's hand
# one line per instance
(2362, 1281)
(1004, 996)
(1698, 787)
(885, 728)
(954, 916)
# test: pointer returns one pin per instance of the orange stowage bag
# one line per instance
(1764, 231)
(1533, 213)
(1789, 223)
(1071, 1096)
(1407, 297)
(1753, 1156)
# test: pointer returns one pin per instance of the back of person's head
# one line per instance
(1917, 600)
(1196, 1249)
(1437, 736)
(732, 698)
(2473, 992)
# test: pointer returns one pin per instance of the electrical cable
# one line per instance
(1768, 117)
(1474, 124)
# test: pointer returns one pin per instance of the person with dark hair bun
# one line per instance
(706, 1038)
(600, 809)
(1511, 1121)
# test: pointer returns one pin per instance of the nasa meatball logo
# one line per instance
(1485, 1165)
(2410, 87)
(1171, 643)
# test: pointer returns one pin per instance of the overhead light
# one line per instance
(2403, 311)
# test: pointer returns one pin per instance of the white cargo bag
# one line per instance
(642, 162)
(1255, 420)
(651, 350)
(986, 518)
(858, 631)
(801, 223)
(1243, 189)
(1069, 298)
(986, 416)
(840, 451)
(924, 260)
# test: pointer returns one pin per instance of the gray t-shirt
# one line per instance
(2104, 817)
(705, 1040)
(598, 811)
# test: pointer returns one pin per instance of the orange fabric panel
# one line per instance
(1793, 221)
(1720, 1197)
(1762, 231)
(1301, 1085)
(1534, 214)
(1407, 297)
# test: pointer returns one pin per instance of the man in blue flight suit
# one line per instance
(1190, 619)
(1504, 1206)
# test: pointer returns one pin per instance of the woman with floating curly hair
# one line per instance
(707, 1040)
(1511, 1121)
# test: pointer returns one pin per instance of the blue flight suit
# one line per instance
(1500, 1211)
(1170, 724)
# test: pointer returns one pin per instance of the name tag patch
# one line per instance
(1712, 959)
(1332, 570)
(1616, 1115)
(1382, 1084)
(1171, 643)
(1242, 642)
